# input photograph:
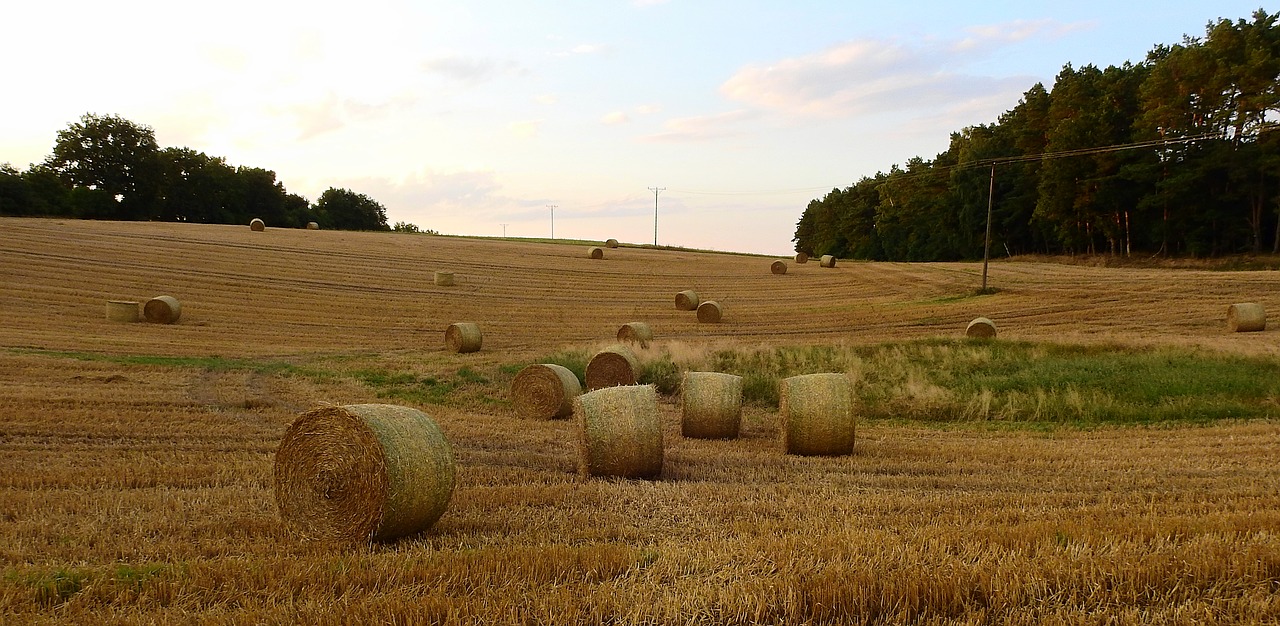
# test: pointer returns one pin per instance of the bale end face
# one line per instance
(817, 415)
(687, 300)
(778, 267)
(443, 279)
(257, 225)
(462, 337)
(162, 310)
(313, 226)
(1246, 317)
(981, 328)
(636, 332)
(595, 252)
(614, 366)
(619, 432)
(710, 312)
(612, 243)
(712, 405)
(122, 311)
(363, 472)
(545, 391)
(802, 258)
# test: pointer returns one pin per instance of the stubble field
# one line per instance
(135, 459)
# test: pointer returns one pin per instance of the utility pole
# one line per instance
(553, 220)
(655, 191)
(504, 231)
(986, 247)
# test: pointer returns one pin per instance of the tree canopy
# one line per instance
(1069, 176)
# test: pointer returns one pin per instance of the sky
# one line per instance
(526, 119)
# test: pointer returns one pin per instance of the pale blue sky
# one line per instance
(464, 116)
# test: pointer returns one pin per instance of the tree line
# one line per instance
(107, 167)
(1177, 155)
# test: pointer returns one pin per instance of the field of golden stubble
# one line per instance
(135, 459)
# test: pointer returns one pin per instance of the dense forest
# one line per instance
(107, 167)
(1178, 155)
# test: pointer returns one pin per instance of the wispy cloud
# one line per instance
(703, 127)
(525, 128)
(470, 70)
(583, 49)
(869, 76)
(614, 118)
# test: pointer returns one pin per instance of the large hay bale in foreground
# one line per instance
(687, 300)
(611, 367)
(817, 414)
(595, 252)
(712, 405)
(545, 391)
(710, 312)
(619, 432)
(443, 279)
(827, 261)
(313, 226)
(636, 332)
(778, 267)
(162, 310)
(802, 258)
(257, 225)
(611, 243)
(363, 472)
(463, 337)
(981, 328)
(122, 310)
(1246, 317)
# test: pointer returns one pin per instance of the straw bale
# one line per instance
(1246, 317)
(687, 300)
(595, 252)
(636, 332)
(613, 366)
(712, 405)
(462, 337)
(710, 312)
(802, 258)
(363, 472)
(313, 226)
(545, 391)
(827, 261)
(257, 225)
(778, 267)
(612, 243)
(619, 432)
(817, 414)
(122, 310)
(443, 279)
(981, 328)
(162, 310)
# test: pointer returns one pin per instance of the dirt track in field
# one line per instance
(284, 291)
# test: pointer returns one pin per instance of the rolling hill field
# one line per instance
(136, 459)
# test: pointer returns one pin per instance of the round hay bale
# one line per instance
(162, 310)
(443, 279)
(257, 225)
(1246, 317)
(612, 243)
(636, 332)
(817, 414)
(778, 267)
(462, 337)
(545, 391)
(612, 367)
(827, 261)
(595, 252)
(122, 310)
(619, 432)
(687, 300)
(712, 405)
(363, 472)
(710, 312)
(802, 258)
(981, 328)
(313, 226)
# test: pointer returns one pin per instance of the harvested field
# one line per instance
(136, 459)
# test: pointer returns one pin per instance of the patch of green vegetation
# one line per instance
(52, 587)
(211, 363)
